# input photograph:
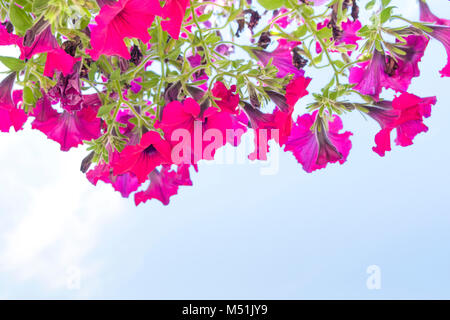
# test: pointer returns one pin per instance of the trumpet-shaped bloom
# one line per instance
(69, 129)
(143, 158)
(123, 19)
(296, 89)
(314, 145)
(124, 183)
(427, 16)
(282, 58)
(174, 10)
(164, 184)
(228, 100)
(442, 34)
(10, 114)
(405, 114)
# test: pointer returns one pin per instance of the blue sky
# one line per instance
(237, 233)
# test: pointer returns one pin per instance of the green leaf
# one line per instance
(28, 96)
(20, 19)
(105, 109)
(12, 64)
(271, 4)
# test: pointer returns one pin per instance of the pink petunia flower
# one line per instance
(442, 34)
(123, 19)
(282, 58)
(296, 89)
(189, 116)
(315, 143)
(144, 157)
(228, 100)
(405, 114)
(348, 36)
(427, 16)
(8, 38)
(10, 114)
(174, 10)
(69, 129)
(124, 183)
(164, 184)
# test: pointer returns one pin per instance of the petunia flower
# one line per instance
(67, 90)
(442, 34)
(265, 127)
(189, 116)
(405, 114)
(174, 10)
(348, 35)
(315, 143)
(7, 38)
(123, 19)
(124, 183)
(164, 184)
(427, 16)
(144, 157)
(10, 114)
(296, 89)
(228, 100)
(383, 71)
(282, 58)
(69, 129)
(407, 66)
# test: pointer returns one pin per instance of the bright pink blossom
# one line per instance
(315, 143)
(69, 129)
(189, 116)
(282, 58)
(10, 114)
(144, 157)
(124, 183)
(296, 89)
(427, 16)
(164, 184)
(228, 100)
(174, 10)
(6, 38)
(405, 114)
(442, 34)
(348, 36)
(123, 19)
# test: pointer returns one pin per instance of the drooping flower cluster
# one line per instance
(153, 88)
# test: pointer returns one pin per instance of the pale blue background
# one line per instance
(237, 234)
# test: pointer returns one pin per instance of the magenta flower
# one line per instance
(266, 126)
(144, 157)
(405, 114)
(296, 89)
(427, 16)
(408, 64)
(370, 75)
(59, 60)
(381, 71)
(442, 34)
(164, 184)
(123, 19)
(189, 116)
(315, 143)
(7, 38)
(174, 10)
(228, 100)
(348, 35)
(10, 114)
(281, 58)
(124, 183)
(67, 90)
(69, 129)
